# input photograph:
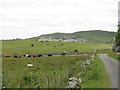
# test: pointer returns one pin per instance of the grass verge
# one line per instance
(110, 54)
(96, 75)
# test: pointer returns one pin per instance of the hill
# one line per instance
(98, 36)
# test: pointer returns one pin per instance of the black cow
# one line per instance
(29, 56)
(32, 45)
(15, 56)
(63, 53)
(50, 55)
(24, 55)
(39, 55)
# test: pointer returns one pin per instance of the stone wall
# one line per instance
(116, 48)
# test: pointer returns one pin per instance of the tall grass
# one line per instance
(16, 70)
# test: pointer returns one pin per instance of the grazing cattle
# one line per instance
(24, 55)
(28, 55)
(63, 53)
(15, 56)
(7, 56)
(34, 55)
(50, 55)
(39, 55)
(29, 65)
(19, 56)
(54, 46)
(32, 45)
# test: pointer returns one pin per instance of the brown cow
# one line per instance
(7, 56)
(34, 55)
(19, 56)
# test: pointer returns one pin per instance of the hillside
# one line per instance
(91, 36)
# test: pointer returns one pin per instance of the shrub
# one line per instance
(76, 50)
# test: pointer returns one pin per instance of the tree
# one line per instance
(116, 45)
(117, 38)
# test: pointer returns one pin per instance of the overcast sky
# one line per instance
(29, 18)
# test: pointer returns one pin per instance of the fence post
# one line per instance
(64, 74)
(20, 86)
(94, 52)
(59, 80)
(73, 68)
(54, 79)
(37, 87)
(47, 81)
(68, 74)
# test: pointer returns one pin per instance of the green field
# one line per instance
(15, 71)
(59, 68)
(24, 46)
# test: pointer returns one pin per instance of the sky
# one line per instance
(30, 18)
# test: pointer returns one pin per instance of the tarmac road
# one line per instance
(111, 66)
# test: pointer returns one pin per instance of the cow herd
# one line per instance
(25, 55)
(31, 55)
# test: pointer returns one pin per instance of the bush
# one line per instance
(76, 50)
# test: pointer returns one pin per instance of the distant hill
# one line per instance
(98, 36)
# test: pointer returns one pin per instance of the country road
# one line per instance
(111, 66)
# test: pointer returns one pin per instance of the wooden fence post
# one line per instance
(73, 68)
(59, 80)
(47, 81)
(64, 74)
(68, 74)
(54, 79)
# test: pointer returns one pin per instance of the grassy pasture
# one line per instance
(15, 71)
(24, 46)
